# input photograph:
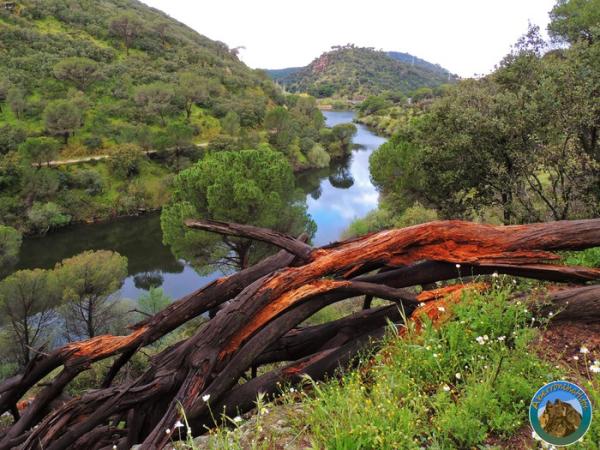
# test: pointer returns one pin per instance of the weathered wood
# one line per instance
(265, 303)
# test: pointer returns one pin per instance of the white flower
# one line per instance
(501, 338)
(458, 375)
(435, 355)
(486, 337)
(441, 309)
(458, 266)
(550, 314)
(168, 431)
(595, 367)
(576, 358)
(480, 340)
(292, 390)
(495, 275)
(421, 304)
(178, 424)
(446, 388)
(584, 350)
(525, 311)
(237, 419)
(205, 398)
(514, 281)
(114, 447)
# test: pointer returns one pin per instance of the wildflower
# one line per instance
(458, 266)
(114, 447)
(446, 388)
(168, 431)
(237, 419)
(458, 375)
(486, 337)
(435, 355)
(480, 340)
(595, 367)
(576, 358)
(584, 350)
(292, 390)
(205, 398)
(495, 275)
(501, 338)
(178, 424)
(514, 281)
(441, 309)
(550, 314)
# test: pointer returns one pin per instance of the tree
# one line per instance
(62, 118)
(174, 141)
(39, 150)
(194, 89)
(81, 72)
(45, 216)
(26, 301)
(4, 87)
(10, 244)
(341, 139)
(86, 282)
(249, 186)
(318, 157)
(125, 160)
(15, 98)
(155, 99)
(153, 301)
(231, 123)
(127, 27)
(574, 20)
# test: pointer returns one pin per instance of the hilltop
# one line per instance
(357, 72)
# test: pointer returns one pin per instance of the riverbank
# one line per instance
(334, 197)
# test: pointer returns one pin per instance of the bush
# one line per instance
(125, 161)
(45, 216)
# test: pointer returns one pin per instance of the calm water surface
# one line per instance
(335, 196)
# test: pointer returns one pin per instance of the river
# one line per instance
(335, 196)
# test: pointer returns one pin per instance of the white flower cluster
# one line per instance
(481, 340)
(595, 367)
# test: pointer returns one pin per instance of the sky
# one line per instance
(467, 37)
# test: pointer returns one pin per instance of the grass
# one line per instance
(466, 384)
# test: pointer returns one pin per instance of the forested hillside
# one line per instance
(148, 95)
(352, 72)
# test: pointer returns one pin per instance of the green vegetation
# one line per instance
(519, 145)
(350, 72)
(10, 244)
(117, 78)
(249, 186)
(78, 292)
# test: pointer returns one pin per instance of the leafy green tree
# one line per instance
(81, 72)
(86, 282)
(175, 141)
(373, 104)
(62, 118)
(45, 216)
(127, 27)
(249, 186)
(39, 150)
(125, 161)
(153, 301)
(155, 99)
(574, 20)
(15, 98)
(11, 137)
(4, 87)
(231, 123)
(318, 157)
(194, 89)
(10, 244)
(341, 139)
(27, 299)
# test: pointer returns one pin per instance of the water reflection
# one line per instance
(335, 196)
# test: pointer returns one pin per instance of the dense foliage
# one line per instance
(254, 187)
(354, 73)
(119, 79)
(519, 145)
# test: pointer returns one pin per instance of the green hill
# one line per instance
(115, 78)
(355, 73)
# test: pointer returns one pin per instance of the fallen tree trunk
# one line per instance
(267, 302)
